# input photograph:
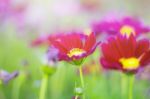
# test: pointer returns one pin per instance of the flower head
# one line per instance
(125, 26)
(74, 47)
(125, 53)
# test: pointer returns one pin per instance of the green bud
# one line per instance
(78, 91)
(77, 62)
(49, 70)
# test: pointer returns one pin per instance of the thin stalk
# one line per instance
(17, 85)
(82, 80)
(43, 87)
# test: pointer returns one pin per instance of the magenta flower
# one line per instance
(125, 53)
(14, 12)
(74, 47)
(126, 25)
(4, 8)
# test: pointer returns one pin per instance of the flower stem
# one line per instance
(131, 81)
(43, 87)
(82, 80)
(123, 86)
(76, 97)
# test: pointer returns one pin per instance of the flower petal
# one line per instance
(141, 47)
(90, 42)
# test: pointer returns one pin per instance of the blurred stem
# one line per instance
(123, 85)
(2, 96)
(82, 80)
(108, 84)
(16, 90)
(17, 85)
(43, 87)
(76, 97)
(131, 81)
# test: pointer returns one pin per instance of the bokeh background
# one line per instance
(22, 21)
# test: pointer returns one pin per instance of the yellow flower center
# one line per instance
(127, 30)
(76, 52)
(130, 63)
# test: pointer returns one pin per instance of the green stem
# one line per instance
(123, 86)
(18, 82)
(2, 95)
(131, 81)
(82, 80)
(43, 87)
(16, 90)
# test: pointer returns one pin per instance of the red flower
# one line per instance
(74, 47)
(125, 53)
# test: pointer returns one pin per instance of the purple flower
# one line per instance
(5, 77)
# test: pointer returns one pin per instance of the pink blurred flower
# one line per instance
(4, 8)
(125, 26)
(8, 10)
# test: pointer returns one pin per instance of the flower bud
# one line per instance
(78, 91)
(51, 61)
(49, 70)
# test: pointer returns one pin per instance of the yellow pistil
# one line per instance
(130, 63)
(127, 30)
(76, 52)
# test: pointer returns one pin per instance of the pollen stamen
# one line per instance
(76, 52)
(127, 30)
(130, 63)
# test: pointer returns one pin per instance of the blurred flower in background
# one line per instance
(126, 26)
(90, 5)
(11, 10)
(50, 61)
(144, 74)
(91, 68)
(5, 77)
